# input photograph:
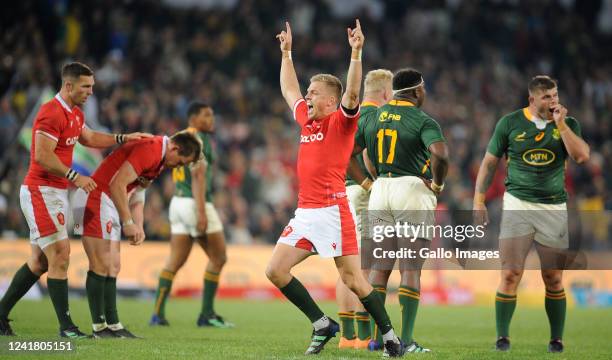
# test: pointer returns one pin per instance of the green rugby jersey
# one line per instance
(368, 109)
(399, 139)
(182, 175)
(536, 156)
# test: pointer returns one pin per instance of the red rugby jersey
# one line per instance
(146, 157)
(325, 150)
(57, 121)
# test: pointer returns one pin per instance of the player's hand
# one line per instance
(202, 224)
(134, 233)
(85, 182)
(559, 113)
(480, 214)
(136, 136)
(355, 36)
(427, 183)
(285, 38)
(140, 237)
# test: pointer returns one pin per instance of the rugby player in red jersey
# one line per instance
(323, 222)
(101, 214)
(58, 126)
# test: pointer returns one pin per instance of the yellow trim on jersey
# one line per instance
(527, 114)
(530, 116)
(400, 103)
(369, 103)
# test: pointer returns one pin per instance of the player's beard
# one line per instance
(544, 112)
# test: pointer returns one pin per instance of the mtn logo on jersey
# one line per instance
(311, 138)
(538, 157)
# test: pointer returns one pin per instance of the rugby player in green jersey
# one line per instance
(536, 140)
(377, 90)
(194, 217)
(411, 159)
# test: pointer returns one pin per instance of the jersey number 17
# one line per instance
(380, 136)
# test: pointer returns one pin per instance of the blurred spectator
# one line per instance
(152, 58)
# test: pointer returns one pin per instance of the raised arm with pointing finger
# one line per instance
(290, 87)
(350, 99)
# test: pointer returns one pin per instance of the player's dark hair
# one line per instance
(408, 79)
(541, 83)
(188, 143)
(195, 108)
(75, 70)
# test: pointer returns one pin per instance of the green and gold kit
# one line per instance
(398, 139)
(182, 174)
(536, 156)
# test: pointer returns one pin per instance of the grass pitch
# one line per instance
(277, 330)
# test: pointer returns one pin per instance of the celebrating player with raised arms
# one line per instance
(323, 222)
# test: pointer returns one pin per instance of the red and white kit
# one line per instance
(44, 196)
(95, 214)
(324, 222)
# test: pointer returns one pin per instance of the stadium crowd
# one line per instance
(152, 58)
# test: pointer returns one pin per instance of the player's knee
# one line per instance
(61, 263)
(552, 280)
(100, 264)
(60, 258)
(379, 276)
(511, 277)
(38, 265)
(275, 275)
(271, 273)
(115, 268)
(174, 264)
(351, 280)
(411, 278)
(219, 261)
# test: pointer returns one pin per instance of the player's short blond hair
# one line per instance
(377, 80)
(332, 82)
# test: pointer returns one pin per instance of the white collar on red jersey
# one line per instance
(164, 146)
(61, 101)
